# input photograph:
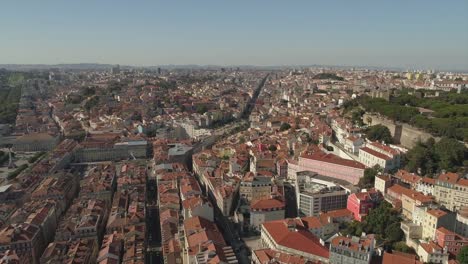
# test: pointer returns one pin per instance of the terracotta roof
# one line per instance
(436, 213)
(445, 231)
(430, 247)
(385, 148)
(364, 244)
(338, 213)
(428, 180)
(408, 177)
(375, 153)
(449, 177)
(267, 204)
(297, 237)
(276, 257)
(400, 258)
(330, 158)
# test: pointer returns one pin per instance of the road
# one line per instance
(153, 229)
(227, 227)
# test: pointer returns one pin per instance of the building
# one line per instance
(451, 191)
(382, 183)
(270, 256)
(266, 210)
(255, 187)
(344, 250)
(291, 236)
(36, 142)
(114, 151)
(407, 199)
(204, 243)
(434, 219)
(381, 155)
(111, 249)
(331, 165)
(352, 144)
(22, 238)
(197, 206)
(450, 240)
(179, 152)
(426, 186)
(115, 69)
(433, 253)
(326, 225)
(399, 257)
(316, 193)
(461, 223)
(360, 203)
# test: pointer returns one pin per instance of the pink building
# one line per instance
(454, 242)
(332, 166)
(360, 203)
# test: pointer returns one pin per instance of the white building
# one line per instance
(344, 250)
(379, 154)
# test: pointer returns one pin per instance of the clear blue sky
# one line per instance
(402, 33)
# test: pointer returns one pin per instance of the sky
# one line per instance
(413, 34)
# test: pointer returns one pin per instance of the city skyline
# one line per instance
(415, 35)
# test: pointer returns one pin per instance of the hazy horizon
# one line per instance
(396, 34)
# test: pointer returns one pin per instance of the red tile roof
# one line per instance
(267, 204)
(297, 237)
(400, 258)
(330, 158)
(449, 177)
(375, 153)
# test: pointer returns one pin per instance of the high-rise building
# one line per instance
(115, 69)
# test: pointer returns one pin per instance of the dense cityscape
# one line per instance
(118, 164)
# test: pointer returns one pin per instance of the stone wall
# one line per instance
(403, 134)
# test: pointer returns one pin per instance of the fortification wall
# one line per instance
(403, 134)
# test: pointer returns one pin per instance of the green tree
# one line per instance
(381, 218)
(369, 177)
(285, 126)
(201, 109)
(394, 233)
(356, 117)
(379, 133)
(450, 154)
(462, 256)
(402, 247)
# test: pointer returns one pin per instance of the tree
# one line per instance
(379, 133)
(285, 126)
(369, 177)
(380, 218)
(201, 109)
(450, 153)
(420, 159)
(402, 247)
(462, 256)
(356, 117)
(394, 233)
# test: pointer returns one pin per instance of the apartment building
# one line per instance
(291, 236)
(451, 191)
(316, 193)
(331, 166)
(379, 154)
(356, 250)
(266, 210)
